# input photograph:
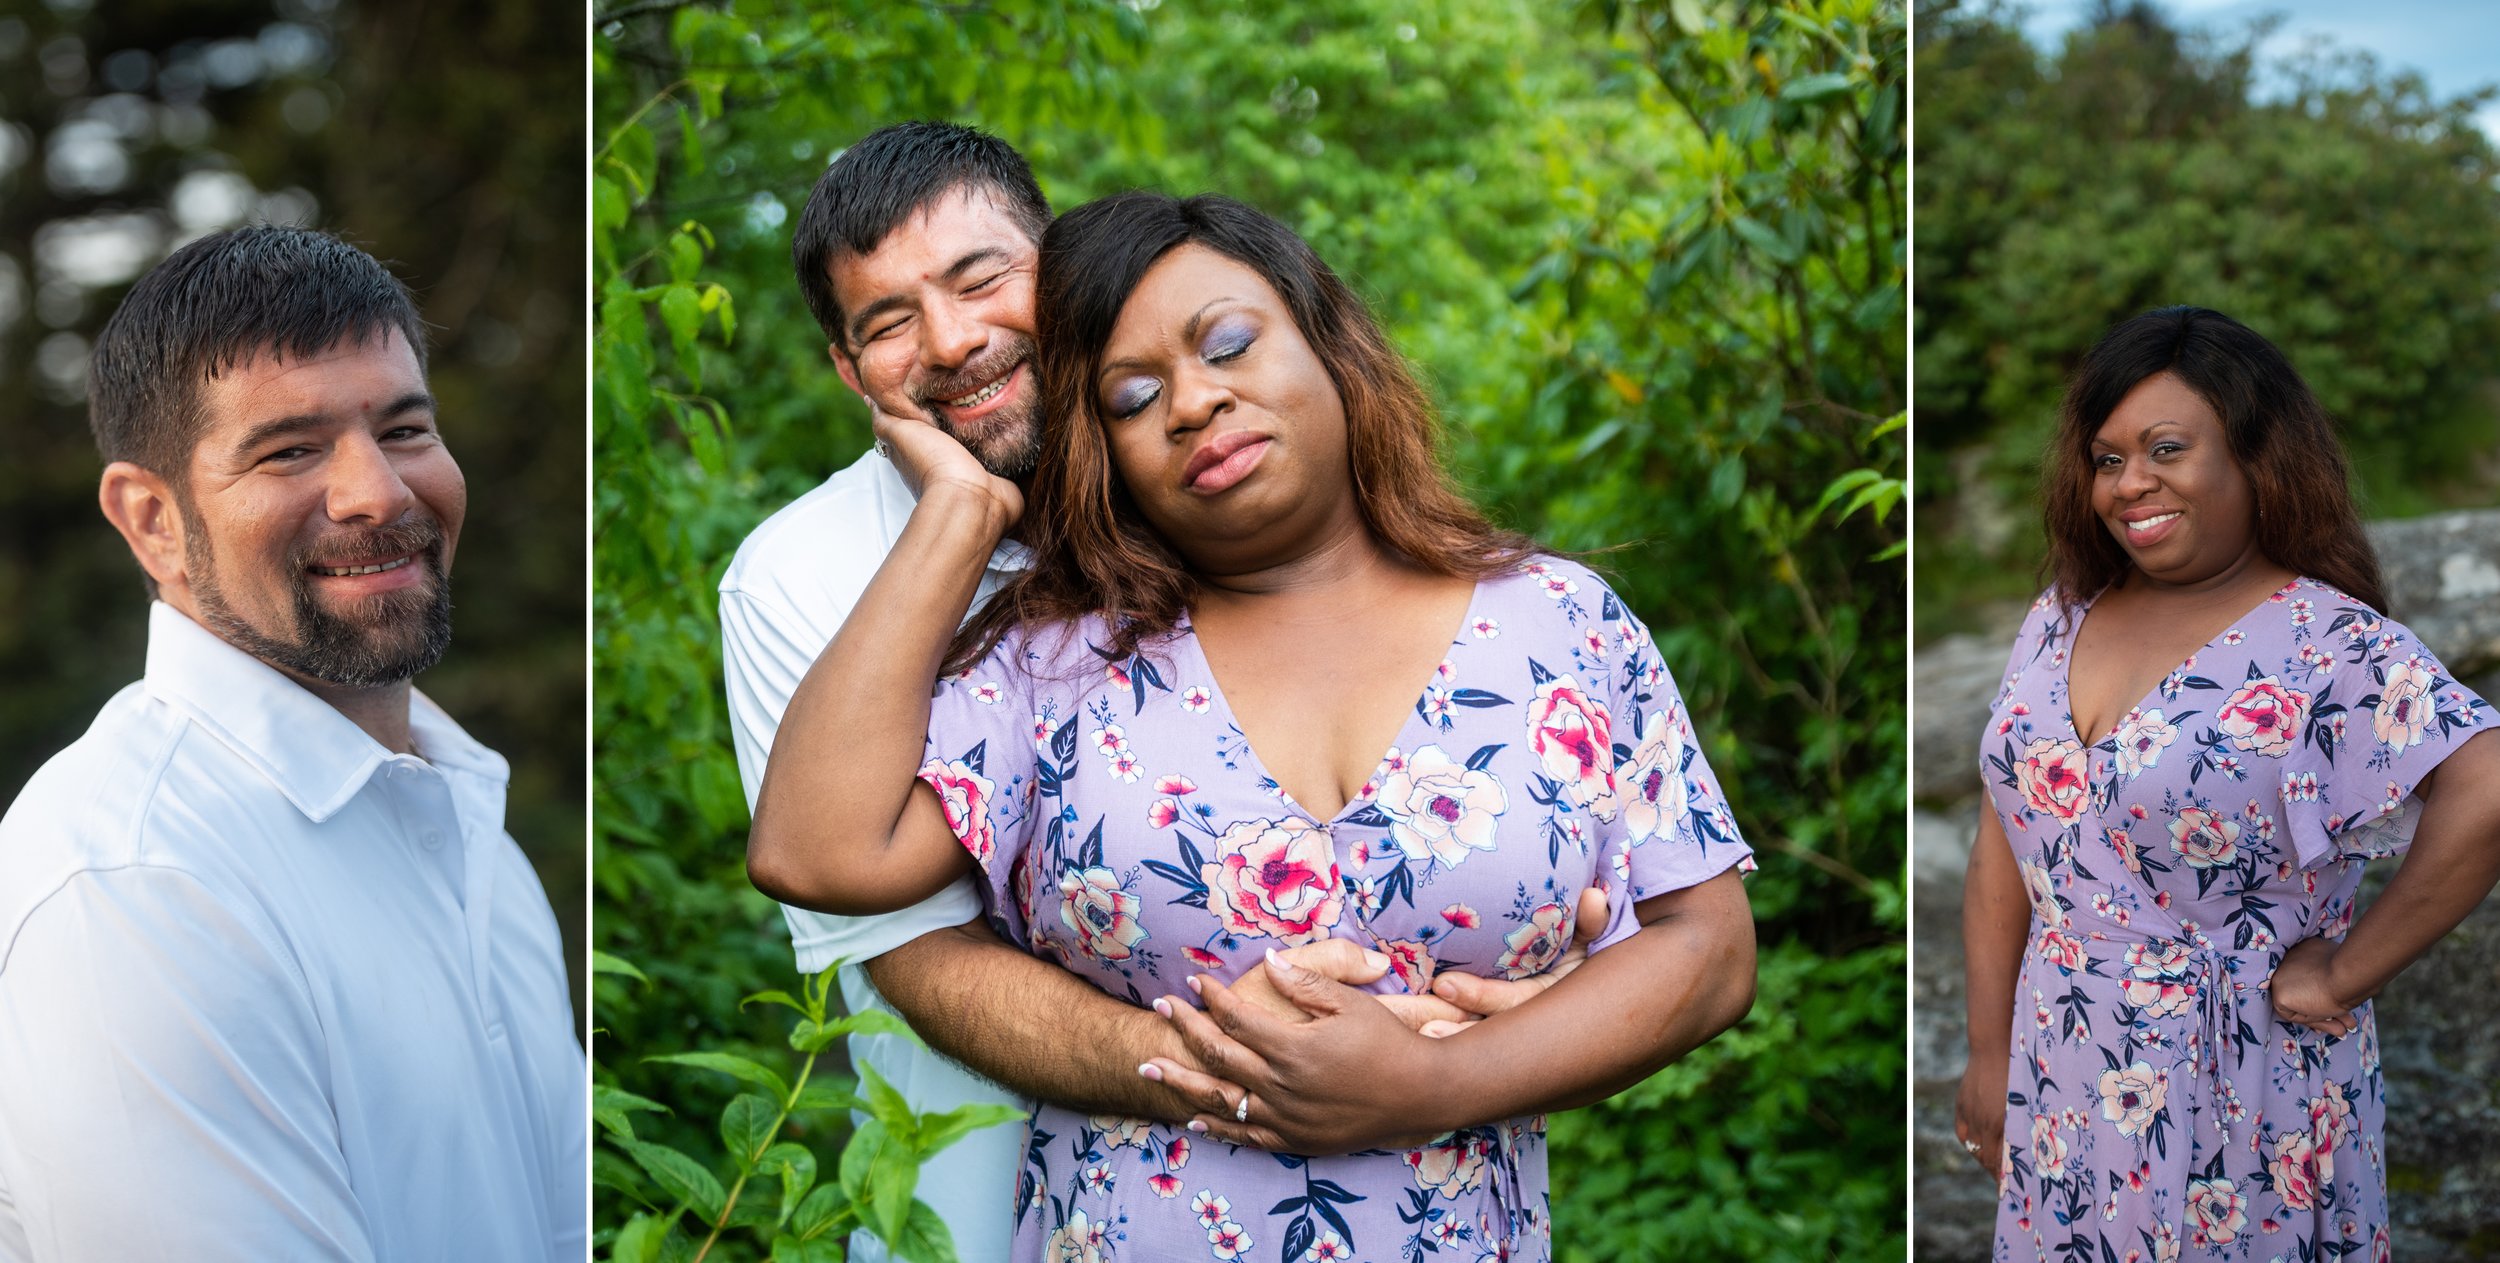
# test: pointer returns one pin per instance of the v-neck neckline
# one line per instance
(2075, 643)
(1371, 781)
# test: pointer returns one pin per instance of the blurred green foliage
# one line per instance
(2336, 207)
(1650, 257)
(446, 140)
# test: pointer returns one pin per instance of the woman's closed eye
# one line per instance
(1226, 342)
(1130, 397)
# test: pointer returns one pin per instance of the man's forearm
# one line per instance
(1029, 1024)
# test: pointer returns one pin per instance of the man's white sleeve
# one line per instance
(765, 652)
(163, 1089)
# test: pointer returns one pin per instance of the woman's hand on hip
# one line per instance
(2304, 994)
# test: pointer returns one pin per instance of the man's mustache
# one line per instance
(356, 546)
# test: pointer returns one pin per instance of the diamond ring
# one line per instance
(1241, 1112)
(1973, 1146)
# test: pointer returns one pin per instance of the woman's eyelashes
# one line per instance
(1227, 341)
(1131, 397)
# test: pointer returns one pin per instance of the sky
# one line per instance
(2453, 44)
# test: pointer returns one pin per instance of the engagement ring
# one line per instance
(1241, 1112)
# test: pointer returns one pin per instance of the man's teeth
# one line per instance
(341, 572)
(2150, 522)
(981, 396)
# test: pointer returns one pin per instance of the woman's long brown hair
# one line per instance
(2279, 433)
(1093, 551)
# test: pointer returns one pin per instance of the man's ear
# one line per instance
(139, 502)
(846, 366)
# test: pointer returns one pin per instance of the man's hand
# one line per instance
(1342, 960)
(928, 457)
(1483, 997)
(1302, 1102)
(2304, 994)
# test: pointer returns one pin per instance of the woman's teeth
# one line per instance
(2150, 522)
(981, 396)
(342, 572)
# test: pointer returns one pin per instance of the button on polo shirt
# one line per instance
(270, 991)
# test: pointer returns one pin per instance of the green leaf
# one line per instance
(797, 1167)
(1771, 244)
(603, 963)
(683, 1177)
(1814, 87)
(885, 1104)
(873, 1022)
(682, 312)
(732, 1065)
(818, 1210)
(611, 1108)
(924, 1238)
(782, 998)
(824, 1094)
(747, 1125)
(608, 207)
(639, 1241)
(685, 256)
(937, 1131)
(789, 1249)
(1727, 479)
(879, 1172)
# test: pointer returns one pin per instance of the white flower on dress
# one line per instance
(2142, 736)
(1653, 782)
(2405, 707)
(2132, 1096)
(1439, 809)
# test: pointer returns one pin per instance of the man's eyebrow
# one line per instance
(305, 422)
(954, 272)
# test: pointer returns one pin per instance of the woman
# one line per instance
(2207, 727)
(1162, 747)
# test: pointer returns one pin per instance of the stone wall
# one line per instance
(2441, 1042)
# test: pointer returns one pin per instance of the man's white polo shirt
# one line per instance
(269, 991)
(793, 582)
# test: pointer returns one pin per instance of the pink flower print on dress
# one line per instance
(1653, 782)
(1276, 878)
(964, 795)
(2051, 777)
(1103, 915)
(1572, 736)
(2264, 717)
(1534, 946)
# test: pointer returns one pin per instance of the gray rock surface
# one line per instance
(2437, 1022)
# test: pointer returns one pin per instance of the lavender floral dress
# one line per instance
(2155, 1107)
(1129, 833)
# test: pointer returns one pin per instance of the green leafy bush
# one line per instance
(1649, 256)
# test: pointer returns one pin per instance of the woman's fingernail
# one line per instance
(1194, 988)
(1198, 1127)
(1152, 1072)
(1375, 959)
(1283, 967)
(1163, 1008)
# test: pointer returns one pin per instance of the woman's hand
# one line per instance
(930, 458)
(2304, 991)
(1979, 1114)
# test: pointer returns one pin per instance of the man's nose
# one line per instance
(365, 484)
(950, 336)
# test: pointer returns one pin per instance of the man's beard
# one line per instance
(390, 637)
(1008, 442)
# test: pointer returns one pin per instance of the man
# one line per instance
(916, 254)
(274, 982)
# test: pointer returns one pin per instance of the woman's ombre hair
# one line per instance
(2280, 435)
(1093, 551)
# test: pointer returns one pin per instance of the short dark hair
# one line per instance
(890, 175)
(217, 303)
(2280, 434)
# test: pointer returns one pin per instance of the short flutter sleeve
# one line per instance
(2388, 714)
(1670, 828)
(989, 758)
